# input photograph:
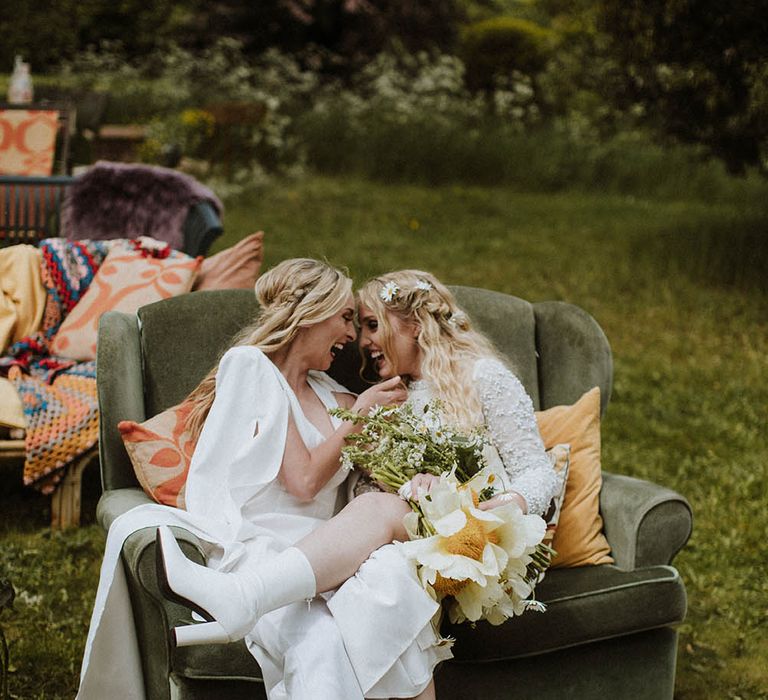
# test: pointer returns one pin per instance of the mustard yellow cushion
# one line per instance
(579, 538)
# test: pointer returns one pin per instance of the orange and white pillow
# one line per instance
(27, 141)
(133, 274)
(160, 450)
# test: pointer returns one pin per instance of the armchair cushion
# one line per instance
(129, 278)
(579, 538)
(583, 604)
(161, 450)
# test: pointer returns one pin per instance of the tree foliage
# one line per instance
(47, 33)
(501, 45)
(699, 68)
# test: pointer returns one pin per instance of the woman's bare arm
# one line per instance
(303, 471)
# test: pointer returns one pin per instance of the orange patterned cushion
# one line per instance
(579, 539)
(27, 141)
(237, 267)
(127, 279)
(161, 450)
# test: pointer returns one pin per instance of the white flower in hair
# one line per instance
(424, 285)
(457, 319)
(389, 291)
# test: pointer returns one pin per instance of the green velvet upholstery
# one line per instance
(609, 630)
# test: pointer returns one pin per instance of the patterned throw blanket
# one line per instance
(58, 395)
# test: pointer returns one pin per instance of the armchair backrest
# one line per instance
(149, 362)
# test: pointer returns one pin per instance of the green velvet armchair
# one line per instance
(609, 631)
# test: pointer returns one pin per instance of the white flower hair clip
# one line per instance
(457, 320)
(389, 292)
(424, 285)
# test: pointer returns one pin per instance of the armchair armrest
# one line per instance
(645, 524)
(115, 502)
(152, 613)
(119, 385)
(155, 616)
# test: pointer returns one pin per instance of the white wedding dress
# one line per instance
(516, 451)
(372, 638)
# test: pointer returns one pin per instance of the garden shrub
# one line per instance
(401, 118)
(498, 46)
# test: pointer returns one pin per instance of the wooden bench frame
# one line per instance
(66, 499)
(30, 207)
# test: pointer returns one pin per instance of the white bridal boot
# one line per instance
(232, 602)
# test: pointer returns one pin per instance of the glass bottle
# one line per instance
(20, 85)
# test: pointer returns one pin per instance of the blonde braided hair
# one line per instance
(449, 344)
(294, 294)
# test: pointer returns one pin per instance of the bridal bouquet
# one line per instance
(484, 563)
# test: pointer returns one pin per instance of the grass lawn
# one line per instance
(688, 408)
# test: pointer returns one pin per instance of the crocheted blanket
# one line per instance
(58, 395)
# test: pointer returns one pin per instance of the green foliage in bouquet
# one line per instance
(396, 443)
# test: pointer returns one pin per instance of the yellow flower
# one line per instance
(464, 545)
(198, 119)
(477, 557)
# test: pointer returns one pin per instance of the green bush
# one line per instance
(498, 46)
(485, 149)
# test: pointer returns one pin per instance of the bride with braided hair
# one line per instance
(261, 493)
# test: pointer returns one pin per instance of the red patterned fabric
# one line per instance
(62, 421)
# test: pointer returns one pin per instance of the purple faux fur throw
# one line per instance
(121, 200)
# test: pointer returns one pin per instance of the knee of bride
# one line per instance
(385, 509)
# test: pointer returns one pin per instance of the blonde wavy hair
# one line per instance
(449, 344)
(294, 294)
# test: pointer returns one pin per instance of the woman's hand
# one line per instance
(421, 483)
(502, 499)
(391, 392)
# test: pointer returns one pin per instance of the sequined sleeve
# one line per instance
(508, 413)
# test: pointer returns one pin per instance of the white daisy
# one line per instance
(389, 292)
(424, 285)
